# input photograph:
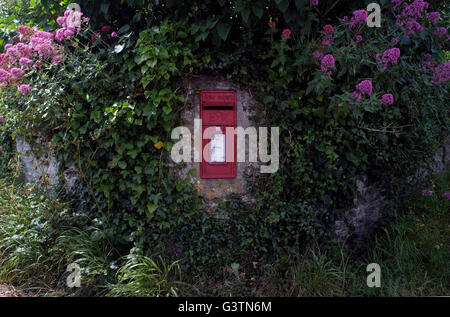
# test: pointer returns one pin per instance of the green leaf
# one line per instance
(223, 29)
(283, 5)
(258, 12)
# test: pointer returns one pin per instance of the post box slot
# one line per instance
(218, 107)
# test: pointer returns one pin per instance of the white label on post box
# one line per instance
(218, 147)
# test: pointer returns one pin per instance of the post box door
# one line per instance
(218, 111)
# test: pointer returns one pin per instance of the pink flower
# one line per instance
(391, 55)
(434, 17)
(345, 18)
(272, 24)
(314, 3)
(441, 31)
(113, 34)
(394, 40)
(318, 55)
(365, 87)
(446, 195)
(17, 73)
(1, 148)
(427, 193)
(356, 96)
(24, 89)
(441, 73)
(1, 118)
(358, 16)
(328, 29)
(327, 62)
(359, 38)
(387, 99)
(286, 33)
(25, 61)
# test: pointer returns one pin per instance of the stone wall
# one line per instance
(357, 223)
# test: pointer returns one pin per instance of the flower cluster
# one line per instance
(409, 16)
(363, 88)
(327, 63)
(314, 3)
(427, 193)
(434, 17)
(70, 23)
(441, 74)
(387, 99)
(328, 29)
(31, 47)
(358, 17)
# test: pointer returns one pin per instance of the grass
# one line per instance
(39, 237)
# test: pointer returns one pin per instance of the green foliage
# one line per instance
(140, 276)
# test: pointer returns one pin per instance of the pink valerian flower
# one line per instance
(328, 29)
(427, 193)
(407, 18)
(272, 24)
(359, 38)
(365, 87)
(440, 31)
(17, 73)
(25, 32)
(286, 33)
(24, 89)
(318, 55)
(434, 17)
(314, 3)
(113, 34)
(446, 195)
(387, 99)
(394, 40)
(358, 16)
(441, 74)
(356, 97)
(5, 76)
(326, 63)
(345, 18)
(1, 118)
(25, 61)
(391, 56)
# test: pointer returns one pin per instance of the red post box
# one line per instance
(218, 110)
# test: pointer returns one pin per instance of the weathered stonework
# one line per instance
(218, 188)
(43, 168)
(359, 222)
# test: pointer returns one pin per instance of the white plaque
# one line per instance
(218, 148)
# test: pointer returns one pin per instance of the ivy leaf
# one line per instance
(283, 5)
(258, 12)
(223, 29)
